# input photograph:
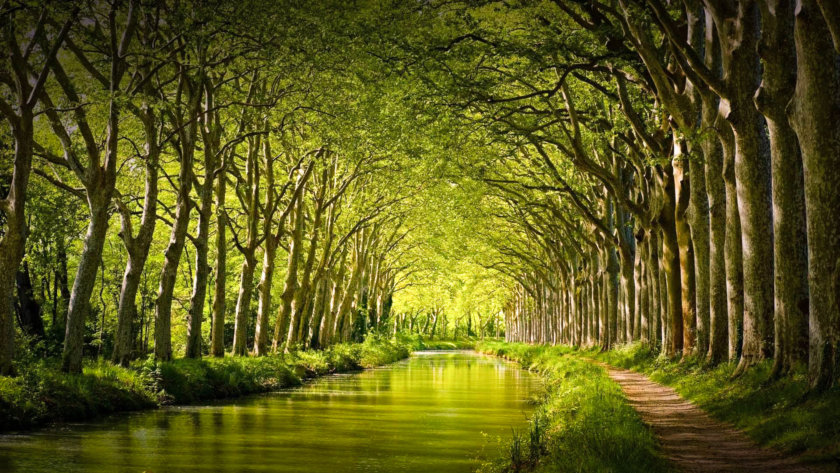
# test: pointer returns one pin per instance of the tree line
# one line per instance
(198, 160)
(649, 170)
(663, 171)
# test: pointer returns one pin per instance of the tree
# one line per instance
(24, 73)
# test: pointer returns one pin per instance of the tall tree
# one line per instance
(24, 72)
(99, 175)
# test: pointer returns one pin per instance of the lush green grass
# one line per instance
(582, 423)
(41, 393)
(777, 413)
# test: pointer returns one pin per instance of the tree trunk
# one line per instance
(137, 247)
(303, 298)
(264, 294)
(698, 221)
(642, 310)
(217, 335)
(13, 241)
(246, 282)
(671, 261)
(733, 255)
(644, 306)
(243, 306)
(28, 309)
(290, 285)
(664, 300)
(738, 29)
(85, 281)
(815, 116)
(715, 189)
(655, 296)
(628, 251)
(335, 297)
(321, 293)
(790, 248)
(202, 268)
(127, 308)
(168, 274)
(321, 311)
(682, 194)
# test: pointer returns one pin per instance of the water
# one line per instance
(435, 412)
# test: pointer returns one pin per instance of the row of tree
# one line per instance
(643, 170)
(669, 170)
(201, 146)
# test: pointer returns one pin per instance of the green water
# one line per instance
(435, 412)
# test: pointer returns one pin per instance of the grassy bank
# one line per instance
(582, 420)
(777, 413)
(42, 394)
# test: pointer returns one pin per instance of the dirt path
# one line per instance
(692, 440)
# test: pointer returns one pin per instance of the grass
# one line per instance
(42, 393)
(780, 413)
(582, 422)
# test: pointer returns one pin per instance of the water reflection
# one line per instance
(432, 412)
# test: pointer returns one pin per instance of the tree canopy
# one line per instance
(191, 178)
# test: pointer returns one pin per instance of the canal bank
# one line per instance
(435, 411)
(582, 421)
(41, 394)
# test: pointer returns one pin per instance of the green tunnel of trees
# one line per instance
(196, 177)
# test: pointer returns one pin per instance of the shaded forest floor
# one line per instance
(42, 394)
